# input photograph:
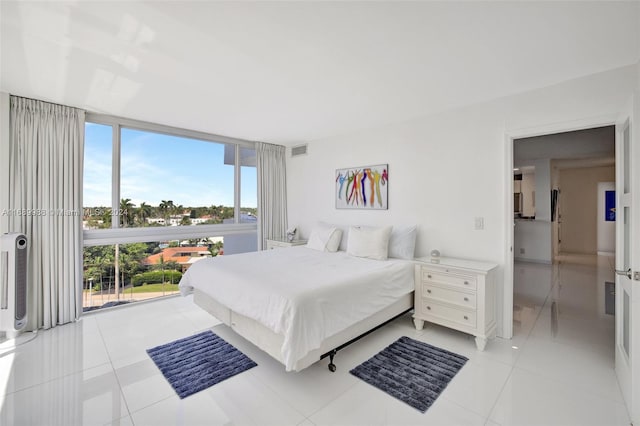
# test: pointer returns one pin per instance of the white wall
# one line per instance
(606, 229)
(543, 190)
(532, 238)
(528, 189)
(445, 169)
(430, 181)
(532, 241)
(578, 202)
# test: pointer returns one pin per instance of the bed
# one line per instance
(299, 304)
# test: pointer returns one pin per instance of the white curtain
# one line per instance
(272, 192)
(45, 201)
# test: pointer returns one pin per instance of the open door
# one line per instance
(628, 259)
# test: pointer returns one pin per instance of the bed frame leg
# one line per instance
(332, 366)
(332, 353)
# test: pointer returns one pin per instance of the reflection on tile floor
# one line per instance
(558, 368)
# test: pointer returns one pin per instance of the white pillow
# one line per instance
(325, 237)
(372, 243)
(402, 243)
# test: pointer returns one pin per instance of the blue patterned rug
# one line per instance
(411, 371)
(199, 361)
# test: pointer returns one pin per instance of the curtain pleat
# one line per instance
(46, 165)
(272, 192)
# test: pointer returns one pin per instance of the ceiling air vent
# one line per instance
(298, 150)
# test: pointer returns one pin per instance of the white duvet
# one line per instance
(306, 295)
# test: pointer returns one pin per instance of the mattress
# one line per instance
(303, 294)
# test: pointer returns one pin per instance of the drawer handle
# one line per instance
(429, 291)
(428, 308)
(429, 276)
(466, 299)
(466, 317)
(466, 283)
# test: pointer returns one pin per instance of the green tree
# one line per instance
(172, 265)
(106, 217)
(98, 264)
(166, 208)
(215, 248)
(144, 211)
(126, 212)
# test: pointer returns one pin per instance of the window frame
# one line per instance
(117, 234)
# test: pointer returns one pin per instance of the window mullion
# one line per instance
(236, 192)
(115, 176)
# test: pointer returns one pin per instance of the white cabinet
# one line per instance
(457, 293)
(282, 243)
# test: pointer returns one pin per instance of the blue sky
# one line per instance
(157, 167)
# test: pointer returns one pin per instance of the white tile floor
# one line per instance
(558, 369)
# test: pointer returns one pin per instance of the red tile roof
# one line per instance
(181, 255)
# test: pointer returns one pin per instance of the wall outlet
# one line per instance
(522, 250)
(479, 223)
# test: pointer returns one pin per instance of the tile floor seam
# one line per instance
(150, 405)
(513, 366)
(64, 376)
(276, 393)
(568, 383)
(489, 418)
(113, 369)
(330, 401)
(454, 402)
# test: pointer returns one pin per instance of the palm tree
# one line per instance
(144, 211)
(126, 211)
(166, 207)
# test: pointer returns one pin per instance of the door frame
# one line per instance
(627, 367)
(505, 298)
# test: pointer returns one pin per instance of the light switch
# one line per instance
(479, 223)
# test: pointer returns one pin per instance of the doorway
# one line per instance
(563, 268)
(559, 214)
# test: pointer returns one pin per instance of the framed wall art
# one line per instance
(364, 187)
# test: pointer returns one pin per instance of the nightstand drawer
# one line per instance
(454, 296)
(430, 308)
(462, 281)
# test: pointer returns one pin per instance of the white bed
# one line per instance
(297, 303)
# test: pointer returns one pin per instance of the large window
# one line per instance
(145, 182)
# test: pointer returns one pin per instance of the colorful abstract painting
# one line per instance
(362, 187)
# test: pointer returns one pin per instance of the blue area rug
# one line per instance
(199, 361)
(411, 371)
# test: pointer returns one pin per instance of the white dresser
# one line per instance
(457, 293)
(274, 243)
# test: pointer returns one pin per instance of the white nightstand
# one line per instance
(457, 293)
(275, 243)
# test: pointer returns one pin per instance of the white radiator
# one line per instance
(13, 283)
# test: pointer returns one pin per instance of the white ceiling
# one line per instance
(289, 72)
